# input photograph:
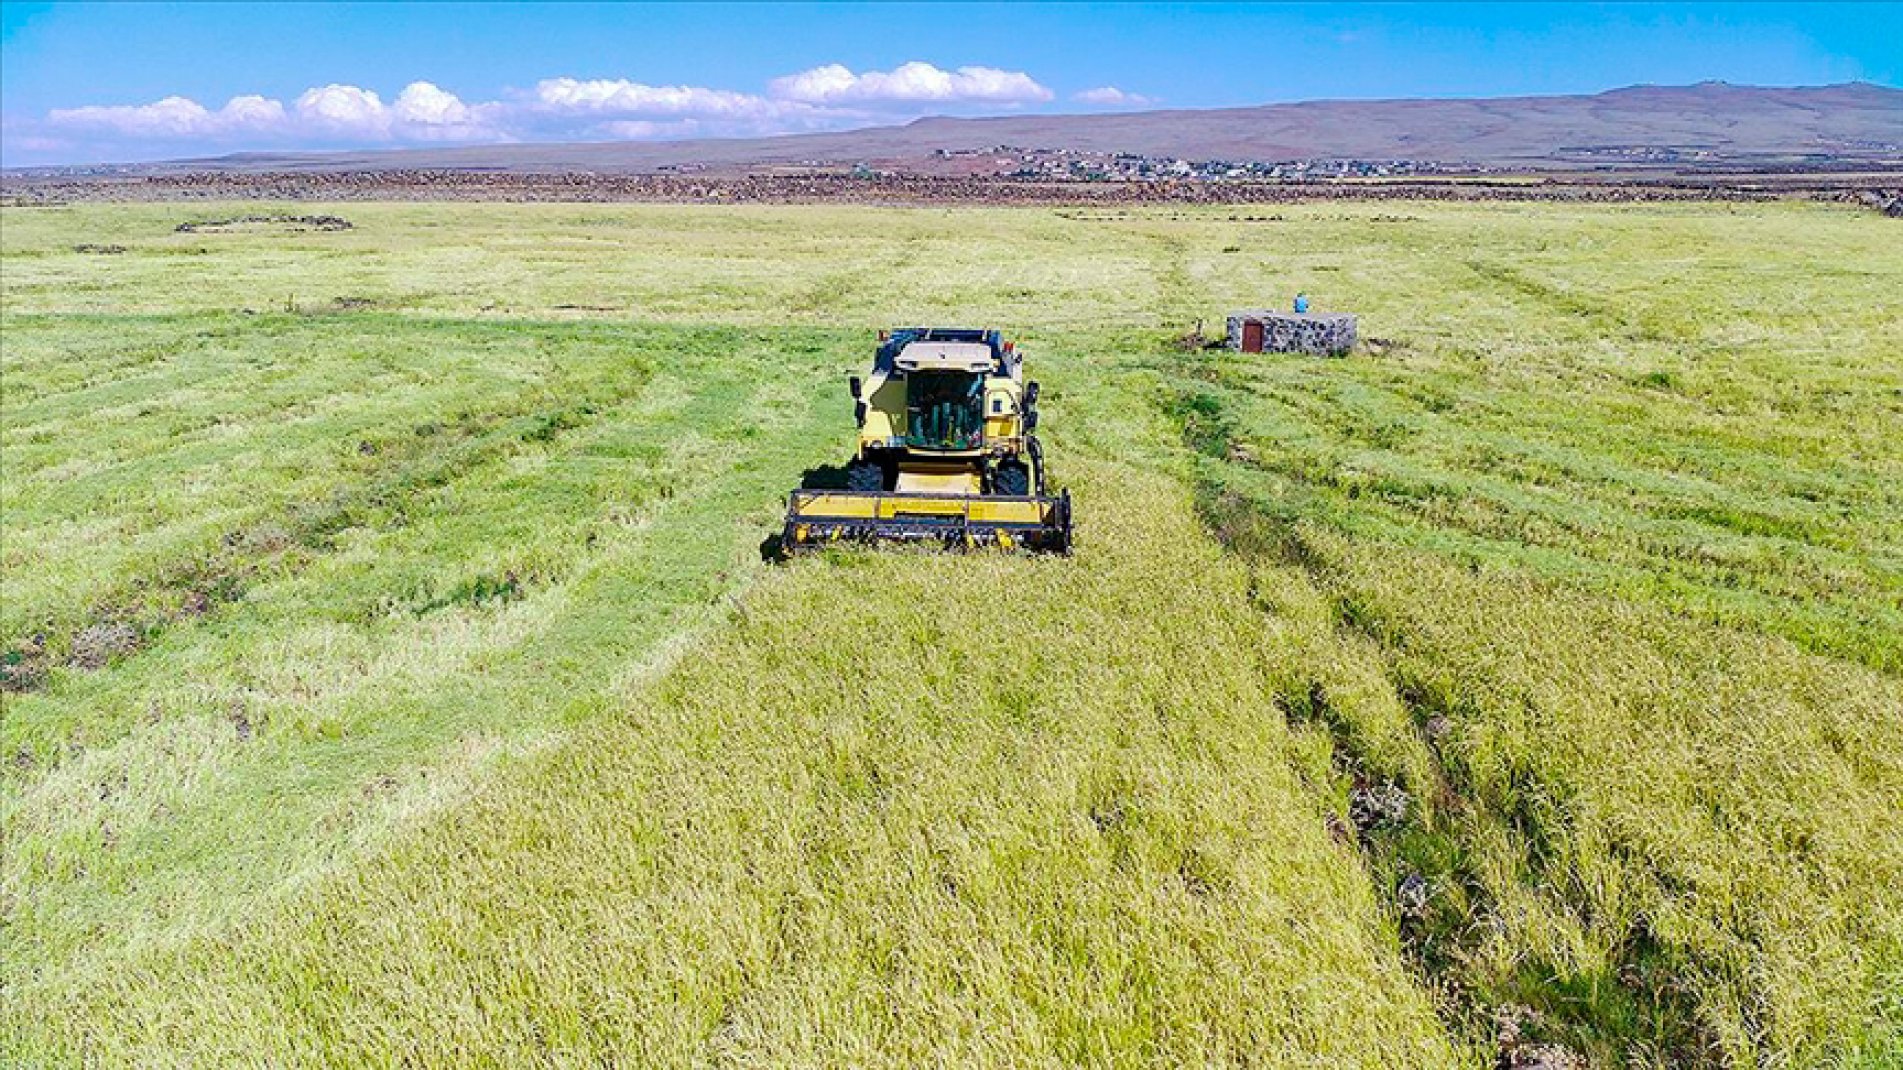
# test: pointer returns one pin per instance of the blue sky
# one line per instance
(134, 81)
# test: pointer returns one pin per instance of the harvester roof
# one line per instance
(944, 356)
(903, 339)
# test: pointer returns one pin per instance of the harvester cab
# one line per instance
(947, 452)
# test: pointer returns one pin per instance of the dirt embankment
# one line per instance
(846, 189)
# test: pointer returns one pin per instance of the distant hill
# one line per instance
(1707, 123)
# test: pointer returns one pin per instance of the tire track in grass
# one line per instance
(273, 547)
(902, 809)
(341, 398)
(188, 851)
(1602, 826)
(1598, 516)
(399, 467)
(34, 381)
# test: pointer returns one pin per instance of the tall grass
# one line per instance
(451, 716)
(392, 621)
(1639, 687)
(900, 809)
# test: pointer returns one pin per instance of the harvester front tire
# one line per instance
(864, 477)
(1012, 478)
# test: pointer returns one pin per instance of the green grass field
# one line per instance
(393, 677)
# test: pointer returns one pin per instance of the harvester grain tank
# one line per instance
(947, 452)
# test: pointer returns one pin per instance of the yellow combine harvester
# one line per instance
(946, 452)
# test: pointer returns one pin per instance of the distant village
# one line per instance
(1010, 161)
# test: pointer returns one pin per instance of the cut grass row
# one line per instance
(477, 598)
(1790, 530)
(1665, 835)
(1657, 285)
(246, 433)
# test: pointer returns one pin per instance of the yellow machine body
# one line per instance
(946, 452)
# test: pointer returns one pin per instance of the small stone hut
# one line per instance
(1326, 334)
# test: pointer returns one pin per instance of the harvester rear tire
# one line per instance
(1011, 477)
(864, 477)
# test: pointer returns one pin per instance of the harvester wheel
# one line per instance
(865, 477)
(1011, 477)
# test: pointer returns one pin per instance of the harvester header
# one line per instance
(947, 452)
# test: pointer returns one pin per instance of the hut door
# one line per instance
(1252, 336)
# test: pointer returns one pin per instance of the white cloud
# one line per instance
(620, 97)
(1110, 96)
(427, 104)
(172, 117)
(344, 109)
(424, 111)
(910, 83)
(252, 112)
(830, 97)
(819, 84)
